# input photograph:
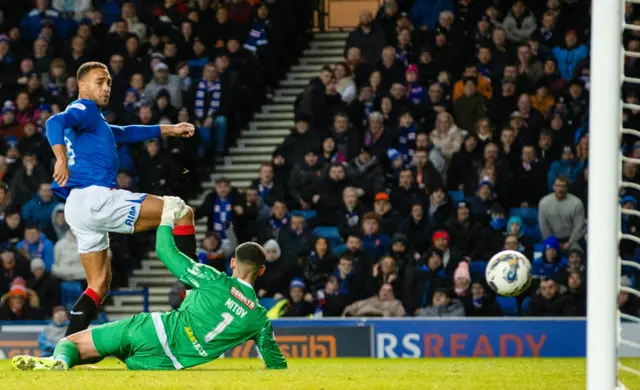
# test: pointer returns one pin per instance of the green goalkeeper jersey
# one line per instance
(220, 313)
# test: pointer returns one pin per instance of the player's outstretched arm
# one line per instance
(268, 347)
(180, 265)
(139, 133)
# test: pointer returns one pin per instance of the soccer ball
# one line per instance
(509, 273)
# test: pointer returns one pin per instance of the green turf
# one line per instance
(342, 374)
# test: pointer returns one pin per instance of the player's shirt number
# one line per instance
(71, 155)
(227, 319)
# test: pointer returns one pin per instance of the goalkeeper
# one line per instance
(220, 313)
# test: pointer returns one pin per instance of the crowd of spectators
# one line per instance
(452, 130)
(208, 62)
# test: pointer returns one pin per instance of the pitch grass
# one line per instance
(325, 374)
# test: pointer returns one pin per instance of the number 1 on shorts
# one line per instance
(226, 320)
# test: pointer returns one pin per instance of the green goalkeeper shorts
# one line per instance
(134, 341)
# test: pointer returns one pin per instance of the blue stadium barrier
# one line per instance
(331, 233)
(509, 305)
(306, 214)
(524, 309)
(478, 267)
(398, 337)
(456, 196)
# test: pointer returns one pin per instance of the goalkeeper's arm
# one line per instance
(268, 347)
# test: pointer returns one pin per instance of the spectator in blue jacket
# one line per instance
(373, 242)
(36, 245)
(568, 166)
(38, 210)
(425, 13)
(53, 332)
(570, 54)
(33, 21)
(550, 263)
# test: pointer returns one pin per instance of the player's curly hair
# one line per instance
(87, 67)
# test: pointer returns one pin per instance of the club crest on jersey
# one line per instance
(244, 300)
(79, 106)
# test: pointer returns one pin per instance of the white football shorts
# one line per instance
(94, 211)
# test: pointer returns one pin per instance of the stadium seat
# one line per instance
(331, 233)
(529, 215)
(102, 318)
(110, 11)
(533, 232)
(306, 214)
(339, 249)
(478, 267)
(524, 309)
(509, 305)
(70, 292)
(267, 303)
(456, 196)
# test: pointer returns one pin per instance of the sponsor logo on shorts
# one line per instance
(195, 342)
(131, 217)
(244, 300)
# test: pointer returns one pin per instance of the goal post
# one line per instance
(605, 114)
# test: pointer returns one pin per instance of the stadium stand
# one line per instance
(403, 153)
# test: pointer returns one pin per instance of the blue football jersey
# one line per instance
(92, 155)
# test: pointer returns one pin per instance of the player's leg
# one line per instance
(98, 269)
(70, 351)
(88, 347)
(85, 211)
(184, 230)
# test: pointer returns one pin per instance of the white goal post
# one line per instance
(605, 124)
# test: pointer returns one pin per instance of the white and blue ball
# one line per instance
(509, 273)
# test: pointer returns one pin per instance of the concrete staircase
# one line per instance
(255, 145)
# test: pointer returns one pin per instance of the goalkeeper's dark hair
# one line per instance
(251, 254)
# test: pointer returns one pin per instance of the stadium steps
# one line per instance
(255, 145)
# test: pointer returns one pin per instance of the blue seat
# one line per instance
(456, 196)
(509, 305)
(101, 319)
(267, 303)
(478, 267)
(529, 215)
(339, 249)
(70, 292)
(533, 232)
(524, 309)
(110, 11)
(331, 233)
(306, 214)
